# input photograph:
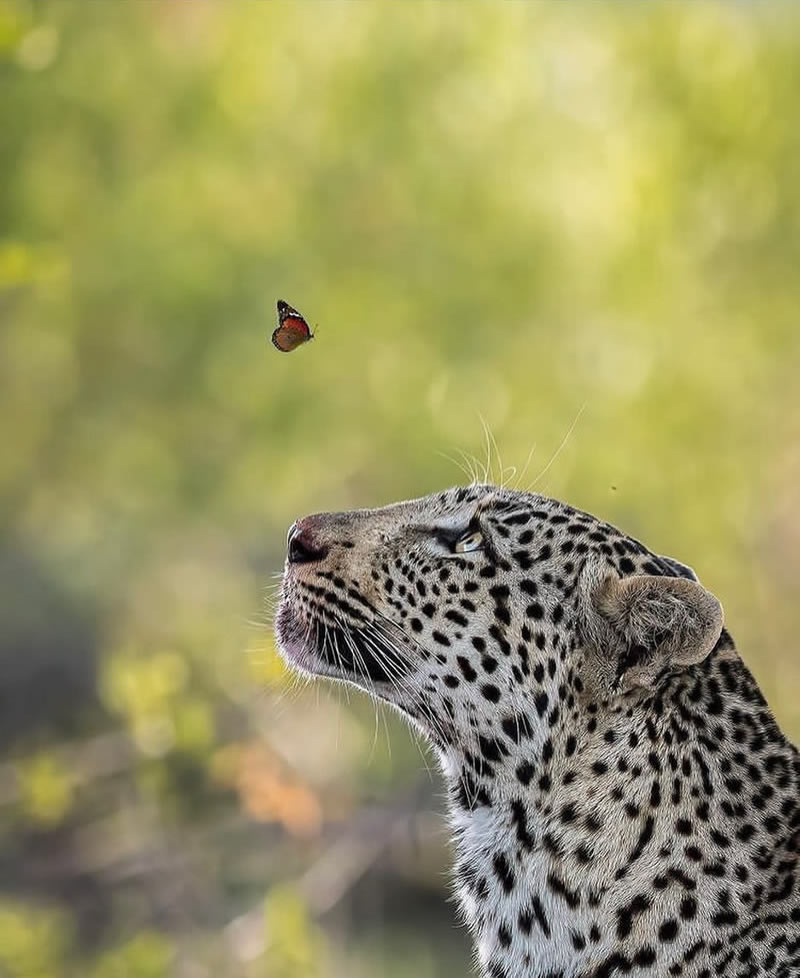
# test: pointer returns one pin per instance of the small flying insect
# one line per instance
(292, 329)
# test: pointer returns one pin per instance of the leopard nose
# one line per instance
(303, 542)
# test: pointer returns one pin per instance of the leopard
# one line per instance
(622, 800)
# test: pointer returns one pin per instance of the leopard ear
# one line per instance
(636, 628)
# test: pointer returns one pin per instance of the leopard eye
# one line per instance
(471, 540)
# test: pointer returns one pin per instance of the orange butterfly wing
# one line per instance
(292, 330)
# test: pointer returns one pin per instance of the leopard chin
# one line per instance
(359, 655)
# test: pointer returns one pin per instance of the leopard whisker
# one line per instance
(560, 448)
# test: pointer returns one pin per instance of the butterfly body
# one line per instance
(292, 330)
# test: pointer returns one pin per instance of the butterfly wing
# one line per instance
(292, 330)
(287, 338)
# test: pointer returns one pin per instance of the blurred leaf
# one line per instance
(46, 789)
(148, 955)
(294, 946)
(267, 790)
(34, 943)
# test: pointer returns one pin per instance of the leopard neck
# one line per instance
(567, 842)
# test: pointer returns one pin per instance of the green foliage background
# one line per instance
(577, 222)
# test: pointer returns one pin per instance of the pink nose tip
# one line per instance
(303, 543)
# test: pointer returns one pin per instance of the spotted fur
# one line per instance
(622, 799)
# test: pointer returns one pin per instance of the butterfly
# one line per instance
(292, 329)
